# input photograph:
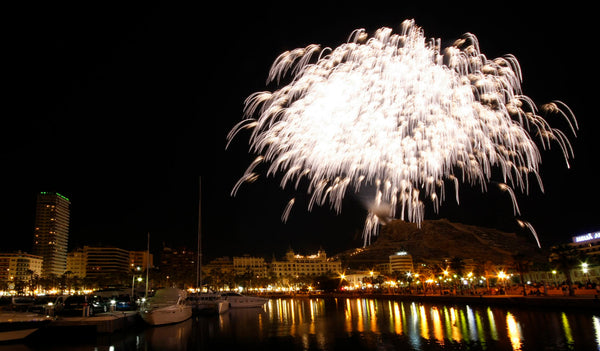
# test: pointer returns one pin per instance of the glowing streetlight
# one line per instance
(584, 268)
(502, 276)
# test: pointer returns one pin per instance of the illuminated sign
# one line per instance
(586, 237)
(404, 253)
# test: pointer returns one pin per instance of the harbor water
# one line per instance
(354, 324)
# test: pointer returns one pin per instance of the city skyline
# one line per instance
(114, 113)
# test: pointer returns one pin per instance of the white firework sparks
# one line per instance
(398, 112)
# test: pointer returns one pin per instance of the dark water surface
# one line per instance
(356, 324)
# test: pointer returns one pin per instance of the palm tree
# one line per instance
(30, 274)
(457, 265)
(565, 258)
(486, 269)
(521, 264)
(66, 282)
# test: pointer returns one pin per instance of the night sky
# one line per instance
(123, 108)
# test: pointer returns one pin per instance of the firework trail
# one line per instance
(397, 112)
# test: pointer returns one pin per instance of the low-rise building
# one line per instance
(77, 263)
(105, 261)
(294, 265)
(19, 266)
(140, 260)
(401, 262)
(223, 265)
(248, 264)
(587, 244)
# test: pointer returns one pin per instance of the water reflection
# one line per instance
(514, 331)
(169, 337)
(429, 322)
(425, 323)
(596, 321)
(360, 324)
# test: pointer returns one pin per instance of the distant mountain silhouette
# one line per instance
(440, 239)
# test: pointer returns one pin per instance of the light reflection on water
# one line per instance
(359, 323)
(365, 324)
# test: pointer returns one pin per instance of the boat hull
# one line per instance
(208, 303)
(13, 335)
(167, 315)
(223, 306)
(242, 301)
(19, 325)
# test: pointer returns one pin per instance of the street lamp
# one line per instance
(502, 276)
(133, 279)
(584, 268)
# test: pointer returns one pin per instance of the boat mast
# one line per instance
(199, 248)
(147, 263)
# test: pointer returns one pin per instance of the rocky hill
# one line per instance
(439, 239)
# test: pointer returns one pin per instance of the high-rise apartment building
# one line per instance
(51, 233)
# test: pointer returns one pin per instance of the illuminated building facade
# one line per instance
(51, 233)
(105, 261)
(401, 262)
(77, 263)
(177, 262)
(222, 265)
(295, 265)
(141, 259)
(247, 264)
(588, 244)
(15, 267)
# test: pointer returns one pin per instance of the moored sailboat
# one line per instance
(204, 302)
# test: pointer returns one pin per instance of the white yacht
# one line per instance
(166, 307)
(15, 325)
(237, 300)
(208, 303)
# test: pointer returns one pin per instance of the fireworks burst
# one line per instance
(398, 112)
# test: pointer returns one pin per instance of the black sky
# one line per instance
(123, 108)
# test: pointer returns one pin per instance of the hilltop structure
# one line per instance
(439, 240)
